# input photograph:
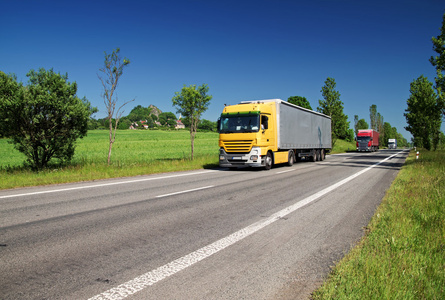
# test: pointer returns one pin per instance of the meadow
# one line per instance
(402, 255)
(135, 152)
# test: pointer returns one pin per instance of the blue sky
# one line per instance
(243, 50)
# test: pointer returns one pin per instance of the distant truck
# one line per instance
(367, 140)
(392, 144)
(266, 132)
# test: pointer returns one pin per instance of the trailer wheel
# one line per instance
(268, 163)
(290, 160)
(314, 156)
(322, 155)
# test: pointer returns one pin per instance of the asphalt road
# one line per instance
(205, 234)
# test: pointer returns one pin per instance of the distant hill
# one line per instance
(154, 110)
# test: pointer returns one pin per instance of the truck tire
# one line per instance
(313, 158)
(268, 161)
(322, 155)
(290, 160)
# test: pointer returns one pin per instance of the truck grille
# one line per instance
(238, 146)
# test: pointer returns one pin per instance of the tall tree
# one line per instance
(438, 62)
(423, 114)
(373, 116)
(387, 133)
(380, 128)
(355, 125)
(45, 118)
(300, 101)
(111, 73)
(191, 102)
(333, 107)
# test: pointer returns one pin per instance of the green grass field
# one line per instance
(402, 255)
(135, 152)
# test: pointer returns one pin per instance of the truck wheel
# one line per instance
(314, 156)
(322, 155)
(268, 163)
(290, 160)
(318, 155)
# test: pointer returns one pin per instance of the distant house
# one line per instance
(179, 125)
(145, 125)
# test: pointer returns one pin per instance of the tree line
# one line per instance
(152, 117)
(332, 106)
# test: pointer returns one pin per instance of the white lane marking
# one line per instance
(105, 184)
(186, 191)
(141, 282)
(285, 171)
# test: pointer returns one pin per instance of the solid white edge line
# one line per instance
(186, 191)
(104, 184)
(141, 282)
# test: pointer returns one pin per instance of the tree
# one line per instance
(207, 125)
(439, 63)
(300, 101)
(361, 124)
(112, 71)
(167, 119)
(191, 102)
(380, 128)
(373, 116)
(387, 133)
(333, 107)
(139, 113)
(355, 125)
(423, 114)
(45, 118)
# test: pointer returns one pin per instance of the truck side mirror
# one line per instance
(218, 124)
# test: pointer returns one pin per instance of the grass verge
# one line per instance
(402, 256)
(342, 146)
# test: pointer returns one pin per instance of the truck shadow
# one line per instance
(360, 161)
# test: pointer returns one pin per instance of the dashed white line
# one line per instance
(139, 283)
(186, 191)
(285, 171)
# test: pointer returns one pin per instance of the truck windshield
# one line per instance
(363, 138)
(237, 124)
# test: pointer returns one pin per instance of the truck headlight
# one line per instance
(221, 157)
(254, 157)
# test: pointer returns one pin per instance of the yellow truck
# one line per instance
(262, 133)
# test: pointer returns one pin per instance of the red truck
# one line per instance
(367, 140)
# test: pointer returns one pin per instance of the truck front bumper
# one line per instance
(231, 160)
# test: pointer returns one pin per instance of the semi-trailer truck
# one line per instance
(262, 133)
(367, 140)
(392, 144)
